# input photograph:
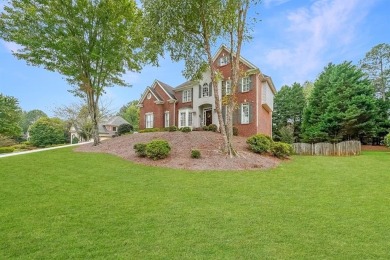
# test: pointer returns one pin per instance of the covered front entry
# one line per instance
(207, 116)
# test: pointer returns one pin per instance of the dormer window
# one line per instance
(224, 60)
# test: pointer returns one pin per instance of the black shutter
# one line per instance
(239, 85)
(223, 83)
(210, 89)
(200, 91)
(237, 115)
(192, 94)
(250, 112)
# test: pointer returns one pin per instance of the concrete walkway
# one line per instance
(41, 150)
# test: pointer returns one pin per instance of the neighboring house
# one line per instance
(107, 128)
(192, 103)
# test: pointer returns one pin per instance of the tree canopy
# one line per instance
(130, 112)
(342, 105)
(28, 118)
(91, 43)
(47, 131)
(289, 103)
(10, 114)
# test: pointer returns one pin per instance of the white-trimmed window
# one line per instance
(245, 84)
(114, 128)
(185, 118)
(227, 85)
(149, 120)
(205, 90)
(187, 95)
(166, 119)
(224, 60)
(245, 113)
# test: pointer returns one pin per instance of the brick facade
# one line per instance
(163, 98)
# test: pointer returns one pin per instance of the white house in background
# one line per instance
(108, 128)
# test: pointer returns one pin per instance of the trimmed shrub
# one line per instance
(149, 130)
(6, 141)
(6, 149)
(259, 143)
(387, 140)
(157, 149)
(235, 131)
(281, 150)
(124, 129)
(195, 154)
(47, 131)
(75, 140)
(206, 128)
(185, 129)
(213, 127)
(172, 128)
(140, 149)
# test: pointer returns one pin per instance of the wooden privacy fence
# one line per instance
(341, 149)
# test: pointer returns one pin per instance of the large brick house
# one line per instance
(192, 103)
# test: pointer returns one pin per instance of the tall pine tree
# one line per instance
(341, 107)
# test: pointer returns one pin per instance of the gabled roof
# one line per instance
(167, 89)
(184, 85)
(115, 121)
(154, 93)
(242, 59)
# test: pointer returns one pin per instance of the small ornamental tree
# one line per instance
(124, 129)
(47, 131)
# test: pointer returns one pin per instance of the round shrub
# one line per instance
(281, 150)
(172, 128)
(140, 149)
(206, 128)
(213, 127)
(75, 140)
(47, 131)
(235, 131)
(387, 140)
(185, 129)
(124, 129)
(259, 143)
(195, 154)
(157, 149)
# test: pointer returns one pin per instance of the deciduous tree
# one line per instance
(10, 114)
(130, 112)
(28, 118)
(91, 43)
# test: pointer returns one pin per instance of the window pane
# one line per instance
(189, 119)
(245, 114)
(205, 90)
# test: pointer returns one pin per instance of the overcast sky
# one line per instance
(292, 42)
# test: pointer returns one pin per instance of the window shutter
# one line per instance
(200, 91)
(224, 113)
(223, 83)
(250, 112)
(251, 81)
(239, 87)
(237, 115)
(210, 89)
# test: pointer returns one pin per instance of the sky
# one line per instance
(293, 40)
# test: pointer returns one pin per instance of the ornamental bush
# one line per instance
(124, 129)
(6, 149)
(140, 149)
(259, 143)
(205, 128)
(149, 130)
(195, 154)
(157, 149)
(387, 140)
(213, 127)
(6, 141)
(47, 131)
(172, 128)
(281, 150)
(235, 131)
(185, 129)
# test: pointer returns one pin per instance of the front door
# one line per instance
(209, 118)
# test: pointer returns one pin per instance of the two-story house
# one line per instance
(192, 103)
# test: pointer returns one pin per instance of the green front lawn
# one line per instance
(60, 204)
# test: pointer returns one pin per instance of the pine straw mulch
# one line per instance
(208, 143)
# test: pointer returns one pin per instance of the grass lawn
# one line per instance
(60, 204)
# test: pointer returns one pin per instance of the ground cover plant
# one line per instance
(62, 204)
